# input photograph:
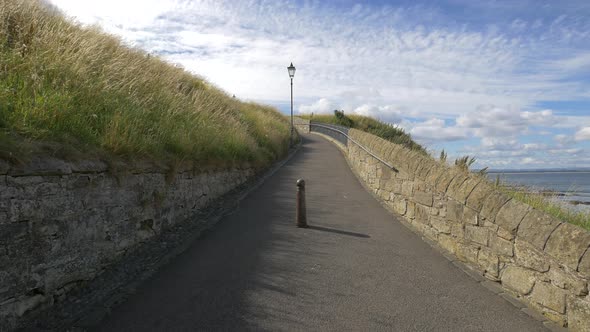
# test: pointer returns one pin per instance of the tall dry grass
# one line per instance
(61, 82)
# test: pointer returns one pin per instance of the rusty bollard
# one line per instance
(301, 214)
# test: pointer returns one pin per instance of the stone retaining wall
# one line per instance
(301, 125)
(541, 260)
(62, 223)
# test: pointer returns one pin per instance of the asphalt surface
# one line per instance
(356, 268)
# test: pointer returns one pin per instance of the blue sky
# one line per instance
(505, 81)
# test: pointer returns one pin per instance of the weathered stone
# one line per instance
(443, 182)
(422, 214)
(492, 205)
(400, 206)
(4, 167)
(454, 210)
(477, 234)
(440, 225)
(578, 314)
(511, 214)
(529, 257)
(28, 303)
(464, 190)
(536, 227)
(407, 188)
(477, 197)
(501, 246)
(467, 253)
(411, 210)
(489, 262)
(489, 225)
(458, 230)
(448, 243)
(42, 166)
(423, 198)
(565, 280)
(549, 296)
(506, 235)
(584, 266)
(568, 243)
(518, 279)
(454, 187)
(470, 216)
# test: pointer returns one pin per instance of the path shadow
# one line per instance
(337, 231)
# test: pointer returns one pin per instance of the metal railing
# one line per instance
(329, 129)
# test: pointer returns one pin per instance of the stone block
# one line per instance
(440, 225)
(568, 243)
(511, 215)
(458, 230)
(467, 253)
(407, 188)
(470, 216)
(42, 166)
(443, 182)
(584, 266)
(423, 198)
(518, 279)
(536, 227)
(454, 187)
(448, 243)
(492, 205)
(461, 193)
(422, 214)
(501, 246)
(400, 206)
(565, 280)
(411, 210)
(477, 197)
(454, 211)
(578, 314)
(549, 296)
(527, 256)
(477, 234)
(506, 235)
(489, 262)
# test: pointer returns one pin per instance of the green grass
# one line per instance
(378, 128)
(79, 89)
(547, 203)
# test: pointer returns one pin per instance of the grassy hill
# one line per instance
(76, 91)
(372, 126)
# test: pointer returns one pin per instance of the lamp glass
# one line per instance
(291, 70)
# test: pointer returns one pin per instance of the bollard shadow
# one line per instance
(337, 231)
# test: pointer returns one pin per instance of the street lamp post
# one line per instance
(291, 70)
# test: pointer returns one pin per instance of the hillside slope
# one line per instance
(76, 91)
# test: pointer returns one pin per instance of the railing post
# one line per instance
(301, 214)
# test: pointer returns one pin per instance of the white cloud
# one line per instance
(492, 121)
(322, 106)
(583, 134)
(434, 130)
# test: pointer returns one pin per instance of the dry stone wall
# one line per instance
(541, 260)
(62, 223)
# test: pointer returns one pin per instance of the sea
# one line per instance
(571, 186)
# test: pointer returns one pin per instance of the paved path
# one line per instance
(356, 269)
